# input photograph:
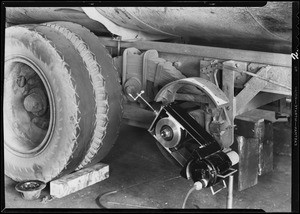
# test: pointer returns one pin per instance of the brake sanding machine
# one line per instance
(202, 158)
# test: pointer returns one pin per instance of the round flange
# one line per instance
(168, 132)
(30, 190)
(29, 114)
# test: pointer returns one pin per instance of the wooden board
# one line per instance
(248, 150)
(266, 146)
(228, 89)
(79, 180)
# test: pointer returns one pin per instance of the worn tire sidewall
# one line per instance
(45, 165)
(112, 87)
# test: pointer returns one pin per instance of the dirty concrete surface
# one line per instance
(141, 177)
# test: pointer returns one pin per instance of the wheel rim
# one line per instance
(28, 107)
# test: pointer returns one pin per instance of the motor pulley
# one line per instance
(168, 132)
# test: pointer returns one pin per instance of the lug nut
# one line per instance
(177, 64)
(33, 103)
(166, 133)
(21, 81)
(36, 102)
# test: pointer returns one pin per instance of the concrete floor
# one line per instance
(143, 178)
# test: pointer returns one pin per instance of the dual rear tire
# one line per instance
(62, 100)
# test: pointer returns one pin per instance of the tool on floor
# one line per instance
(202, 158)
(30, 190)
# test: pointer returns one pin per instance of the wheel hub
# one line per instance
(27, 112)
(36, 102)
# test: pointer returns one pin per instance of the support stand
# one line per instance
(230, 193)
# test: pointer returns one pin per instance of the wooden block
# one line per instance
(266, 149)
(254, 146)
(78, 180)
(228, 88)
(248, 164)
(283, 138)
(261, 122)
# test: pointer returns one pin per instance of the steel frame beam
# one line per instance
(275, 59)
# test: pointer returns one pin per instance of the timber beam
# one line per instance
(259, 100)
(252, 88)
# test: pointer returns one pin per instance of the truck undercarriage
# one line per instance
(73, 75)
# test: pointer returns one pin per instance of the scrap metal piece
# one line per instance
(47, 199)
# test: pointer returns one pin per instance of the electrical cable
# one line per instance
(98, 199)
(187, 196)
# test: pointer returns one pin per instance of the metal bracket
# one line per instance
(139, 95)
(118, 39)
(210, 71)
(215, 192)
(230, 172)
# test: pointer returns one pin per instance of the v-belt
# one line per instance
(208, 144)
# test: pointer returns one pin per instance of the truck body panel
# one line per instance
(267, 28)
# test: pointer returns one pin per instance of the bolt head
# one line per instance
(21, 81)
(166, 133)
(177, 64)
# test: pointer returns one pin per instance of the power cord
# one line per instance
(197, 186)
(187, 196)
(98, 199)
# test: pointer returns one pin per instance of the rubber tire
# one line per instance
(110, 114)
(87, 99)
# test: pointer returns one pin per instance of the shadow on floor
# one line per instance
(143, 178)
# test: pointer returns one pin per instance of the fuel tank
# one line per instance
(267, 28)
